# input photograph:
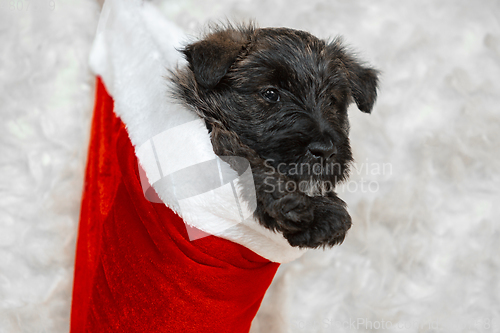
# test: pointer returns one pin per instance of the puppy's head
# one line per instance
(285, 93)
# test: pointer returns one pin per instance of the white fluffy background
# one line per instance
(423, 251)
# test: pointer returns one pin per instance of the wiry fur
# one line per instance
(225, 82)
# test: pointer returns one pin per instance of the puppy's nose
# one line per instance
(322, 149)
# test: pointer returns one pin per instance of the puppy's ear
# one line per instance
(363, 82)
(211, 58)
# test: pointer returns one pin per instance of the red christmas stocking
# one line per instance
(136, 269)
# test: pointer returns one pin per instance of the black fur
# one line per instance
(278, 97)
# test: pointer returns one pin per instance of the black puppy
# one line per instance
(278, 97)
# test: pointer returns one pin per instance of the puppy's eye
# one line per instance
(271, 95)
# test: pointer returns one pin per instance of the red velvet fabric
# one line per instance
(136, 269)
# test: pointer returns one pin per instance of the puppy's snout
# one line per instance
(322, 149)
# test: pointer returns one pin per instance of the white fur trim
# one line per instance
(133, 48)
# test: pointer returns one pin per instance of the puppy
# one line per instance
(278, 97)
